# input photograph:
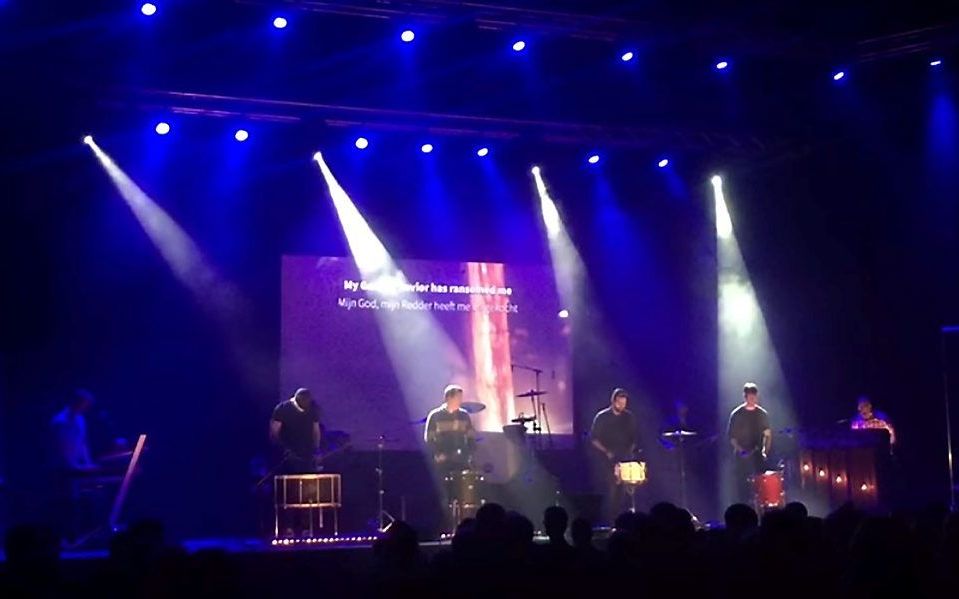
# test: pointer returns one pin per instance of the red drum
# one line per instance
(769, 490)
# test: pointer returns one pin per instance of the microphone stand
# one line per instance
(382, 515)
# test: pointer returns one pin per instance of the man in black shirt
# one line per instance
(449, 432)
(751, 438)
(613, 437)
(295, 427)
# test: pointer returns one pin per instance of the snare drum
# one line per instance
(768, 490)
(630, 473)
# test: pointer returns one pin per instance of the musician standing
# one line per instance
(70, 434)
(751, 437)
(295, 427)
(449, 432)
(613, 436)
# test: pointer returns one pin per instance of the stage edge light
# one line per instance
(280, 22)
(838, 75)
(519, 46)
(408, 36)
(482, 152)
(362, 143)
(148, 9)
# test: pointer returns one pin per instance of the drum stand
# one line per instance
(383, 518)
(682, 474)
(631, 491)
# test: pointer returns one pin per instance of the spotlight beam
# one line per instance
(213, 293)
(422, 354)
(745, 350)
(568, 268)
(176, 247)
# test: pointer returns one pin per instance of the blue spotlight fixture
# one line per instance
(722, 65)
(838, 75)
(361, 143)
(280, 22)
(408, 36)
(935, 63)
(593, 159)
(627, 56)
(482, 152)
(162, 128)
(426, 148)
(519, 46)
(148, 9)
(564, 313)
(663, 163)
(241, 135)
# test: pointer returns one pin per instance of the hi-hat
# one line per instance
(679, 433)
(533, 393)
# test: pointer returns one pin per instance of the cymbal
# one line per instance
(523, 419)
(679, 433)
(473, 407)
(533, 393)
(384, 439)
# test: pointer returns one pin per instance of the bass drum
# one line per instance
(466, 493)
(769, 491)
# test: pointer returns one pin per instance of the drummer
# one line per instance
(449, 432)
(613, 437)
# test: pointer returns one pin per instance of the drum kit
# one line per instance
(465, 489)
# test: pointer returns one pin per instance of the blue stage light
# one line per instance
(408, 35)
(241, 135)
(148, 9)
(162, 128)
(722, 65)
(935, 63)
(628, 56)
(593, 159)
(426, 148)
(280, 23)
(519, 46)
(482, 152)
(362, 143)
(663, 163)
(838, 75)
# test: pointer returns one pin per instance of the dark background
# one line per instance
(848, 220)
